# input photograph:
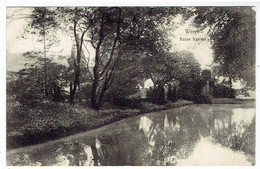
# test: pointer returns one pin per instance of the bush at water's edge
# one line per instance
(200, 99)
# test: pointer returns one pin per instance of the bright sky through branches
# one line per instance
(197, 42)
(18, 43)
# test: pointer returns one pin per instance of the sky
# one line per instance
(188, 38)
(17, 44)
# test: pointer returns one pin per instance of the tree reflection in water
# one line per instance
(172, 138)
(237, 131)
(162, 138)
(121, 149)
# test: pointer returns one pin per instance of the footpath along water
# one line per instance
(217, 134)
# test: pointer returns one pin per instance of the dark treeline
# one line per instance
(117, 49)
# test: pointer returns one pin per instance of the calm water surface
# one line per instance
(191, 135)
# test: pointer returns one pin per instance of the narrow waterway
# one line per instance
(217, 134)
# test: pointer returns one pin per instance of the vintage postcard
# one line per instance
(131, 86)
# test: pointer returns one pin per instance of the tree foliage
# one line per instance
(110, 31)
(30, 86)
(43, 23)
(116, 49)
(232, 31)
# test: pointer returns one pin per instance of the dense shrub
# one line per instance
(201, 99)
(188, 90)
(29, 98)
(83, 93)
(222, 91)
(151, 107)
(172, 94)
(156, 95)
(127, 102)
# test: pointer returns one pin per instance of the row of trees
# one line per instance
(116, 35)
(117, 48)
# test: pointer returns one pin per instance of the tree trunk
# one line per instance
(96, 79)
(104, 89)
(230, 83)
(230, 88)
(93, 94)
(73, 88)
(79, 43)
(71, 99)
(96, 68)
(45, 66)
(95, 104)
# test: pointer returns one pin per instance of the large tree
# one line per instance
(43, 24)
(75, 22)
(111, 31)
(232, 32)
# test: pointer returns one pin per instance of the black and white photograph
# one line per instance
(130, 85)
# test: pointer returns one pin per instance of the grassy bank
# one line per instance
(49, 121)
(226, 101)
(247, 102)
